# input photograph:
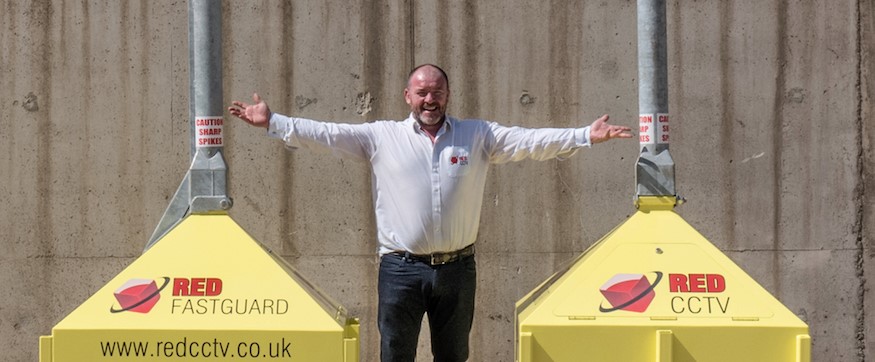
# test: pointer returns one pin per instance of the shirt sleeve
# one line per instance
(354, 140)
(506, 144)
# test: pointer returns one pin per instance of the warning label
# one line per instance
(646, 130)
(653, 128)
(662, 128)
(209, 132)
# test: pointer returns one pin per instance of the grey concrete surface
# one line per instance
(771, 104)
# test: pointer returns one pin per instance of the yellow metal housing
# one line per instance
(654, 289)
(206, 291)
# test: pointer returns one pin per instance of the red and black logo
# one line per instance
(140, 295)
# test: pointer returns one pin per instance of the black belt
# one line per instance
(438, 258)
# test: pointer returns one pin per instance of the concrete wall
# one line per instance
(772, 135)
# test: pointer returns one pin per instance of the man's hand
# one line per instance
(601, 131)
(257, 114)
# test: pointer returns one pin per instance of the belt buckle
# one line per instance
(439, 259)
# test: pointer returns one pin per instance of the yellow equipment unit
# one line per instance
(207, 291)
(654, 289)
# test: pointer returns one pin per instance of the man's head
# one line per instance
(427, 94)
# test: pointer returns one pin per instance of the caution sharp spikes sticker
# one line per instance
(209, 132)
(662, 128)
(646, 134)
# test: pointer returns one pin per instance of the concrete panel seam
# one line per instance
(860, 194)
(60, 257)
(745, 250)
(777, 139)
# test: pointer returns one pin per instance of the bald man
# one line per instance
(429, 173)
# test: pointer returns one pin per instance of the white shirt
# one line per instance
(428, 195)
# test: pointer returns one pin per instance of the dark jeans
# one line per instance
(409, 288)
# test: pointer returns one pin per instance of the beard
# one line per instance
(429, 118)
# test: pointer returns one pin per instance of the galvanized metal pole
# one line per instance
(204, 187)
(205, 71)
(655, 167)
(208, 170)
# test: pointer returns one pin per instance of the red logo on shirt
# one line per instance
(461, 160)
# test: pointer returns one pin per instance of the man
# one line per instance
(429, 172)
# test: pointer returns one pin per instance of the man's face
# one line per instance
(427, 95)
